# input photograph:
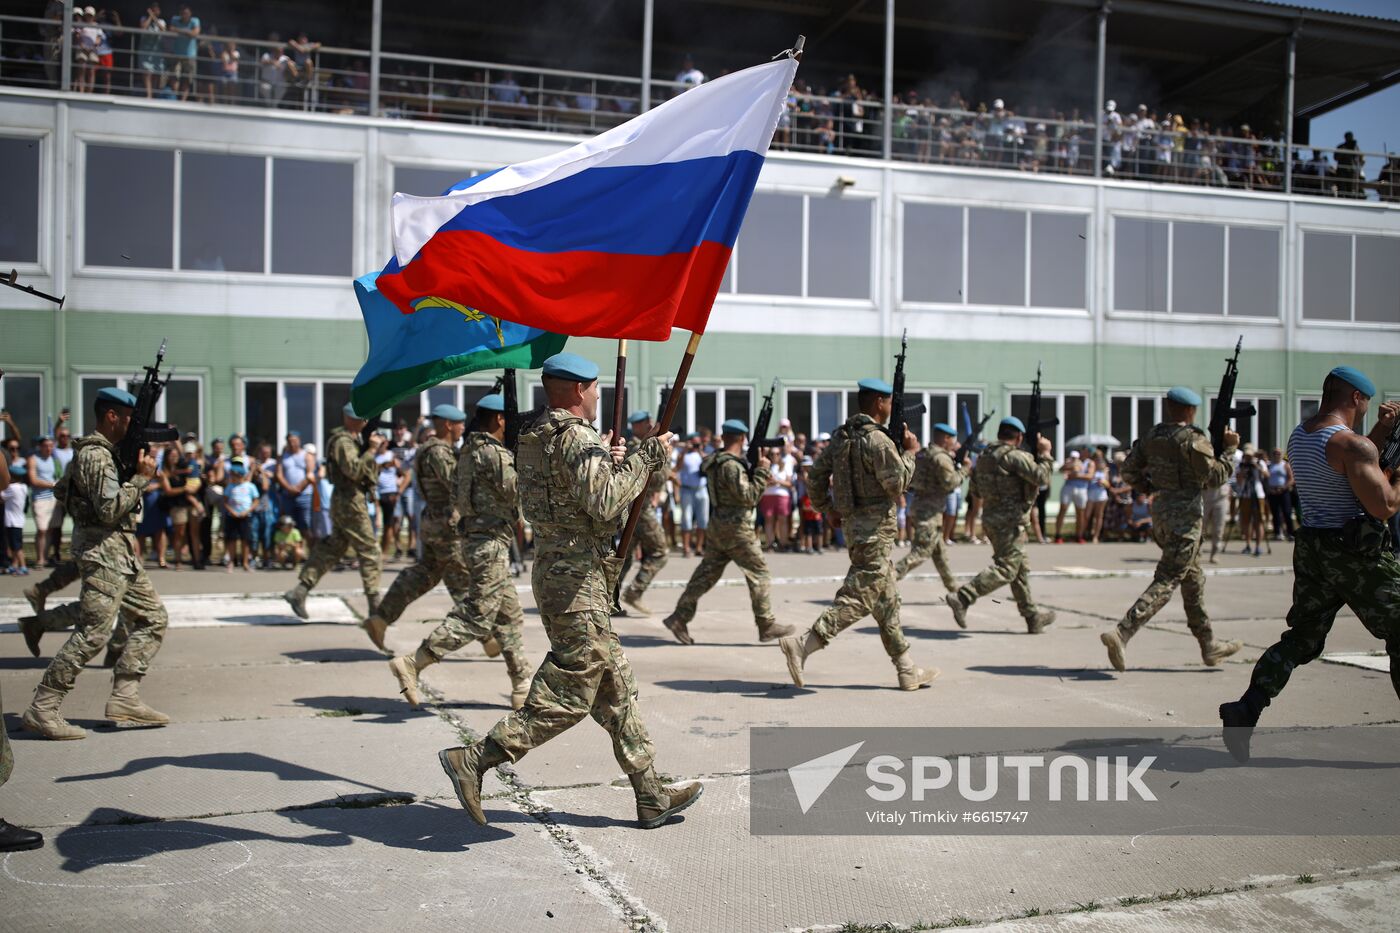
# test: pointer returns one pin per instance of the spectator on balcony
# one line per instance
(1388, 184)
(689, 75)
(210, 67)
(1112, 156)
(149, 55)
(505, 90)
(229, 60)
(1349, 166)
(182, 36)
(275, 71)
(304, 58)
(87, 37)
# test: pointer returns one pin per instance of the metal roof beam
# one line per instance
(1349, 97)
(1223, 64)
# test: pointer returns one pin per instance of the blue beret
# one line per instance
(876, 385)
(350, 410)
(449, 413)
(570, 366)
(1356, 379)
(1014, 422)
(116, 397)
(636, 416)
(946, 428)
(495, 402)
(734, 426)
(1183, 396)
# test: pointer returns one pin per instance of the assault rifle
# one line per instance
(505, 386)
(972, 438)
(758, 441)
(1390, 451)
(144, 430)
(900, 413)
(1035, 423)
(1225, 409)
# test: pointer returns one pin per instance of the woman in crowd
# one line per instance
(1280, 494)
(389, 488)
(176, 502)
(776, 504)
(1096, 484)
(1075, 492)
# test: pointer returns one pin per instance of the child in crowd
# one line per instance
(1140, 522)
(812, 532)
(239, 497)
(287, 547)
(15, 496)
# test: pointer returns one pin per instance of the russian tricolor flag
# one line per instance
(625, 236)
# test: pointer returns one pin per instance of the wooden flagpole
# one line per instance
(619, 391)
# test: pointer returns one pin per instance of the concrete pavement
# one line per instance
(295, 788)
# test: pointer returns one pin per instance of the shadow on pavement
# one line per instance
(752, 688)
(384, 709)
(335, 655)
(1038, 670)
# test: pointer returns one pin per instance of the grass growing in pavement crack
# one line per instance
(1306, 879)
(354, 802)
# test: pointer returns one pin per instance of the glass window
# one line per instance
(428, 182)
(1378, 279)
(1073, 416)
(969, 407)
(1068, 409)
(933, 248)
(90, 386)
(221, 212)
(938, 409)
(605, 407)
(334, 397)
(442, 395)
(182, 408)
(1268, 423)
(838, 247)
(1253, 272)
(738, 403)
(1259, 429)
(996, 256)
(1059, 257)
(726, 285)
(20, 396)
(406, 414)
(1326, 276)
(1120, 419)
(260, 414)
(19, 166)
(705, 404)
(129, 207)
(1307, 407)
(471, 394)
(1139, 264)
(770, 246)
(829, 415)
(798, 409)
(300, 398)
(313, 217)
(1198, 268)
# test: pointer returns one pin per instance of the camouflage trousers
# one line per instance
(61, 618)
(1180, 565)
(7, 757)
(1326, 576)
(108, 591)
(351, 532)
(652, 540)
(584, 674)
(869, 588)
(442, 560)
(64, 574)
(928, 543)
(727, 542)
(488, 604)
(1009, 565)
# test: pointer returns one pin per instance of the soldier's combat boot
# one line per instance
(406, 670)
(959, 608)
(36, 600)
(519, 672)
(1043, 619)
(1116, 646)
(296, 598)
(770, 630)
(32, 630)
(15, 839)
(375, 627)
(796, 649)
(633, 598)
(1213, 652)
(465, 765)
(372, 603)
(657, 803)
(125, 710)
(911, 676)
(678, 629)
(1239, 719)
(43, 716)
(491, 646)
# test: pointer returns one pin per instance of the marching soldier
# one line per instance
(104, 513)
(733, 495)
(649, 535)
(352, 473)
(64, 574)
(1008, 479)
(574, 489)
(1342, 556)
(485, 503)
(1175, 463)
(936, 476)
(858, 480)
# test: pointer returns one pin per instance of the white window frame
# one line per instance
(811, 392)
(925, 429)
(735, 258)
(43, 378)
(1111, 264)
(1059, 396)
(81, 266)
(1134, 397)
(79, 419)
(721, 390)
(1303, 400)
(1280, 436)
(45, 195)
(1351, 233)
(279, 437)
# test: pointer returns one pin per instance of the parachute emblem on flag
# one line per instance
(470, 315)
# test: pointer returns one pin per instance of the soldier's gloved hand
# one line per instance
(145, 464)
(911, 442)
(1232, 438)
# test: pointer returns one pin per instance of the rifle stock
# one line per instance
(1390, 453)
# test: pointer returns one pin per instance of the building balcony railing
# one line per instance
(244, 72)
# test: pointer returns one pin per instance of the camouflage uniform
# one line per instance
(649, 534)
(1177, 463)
(861, 477)
(1008, 479)
(731, 536)
(7, 758)
(352, 473)
(485, 496)
(64, 574)
(573, 496)
(104, 546)
(436, 468)
(935, 477)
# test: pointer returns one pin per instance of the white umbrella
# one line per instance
(1093, 440)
